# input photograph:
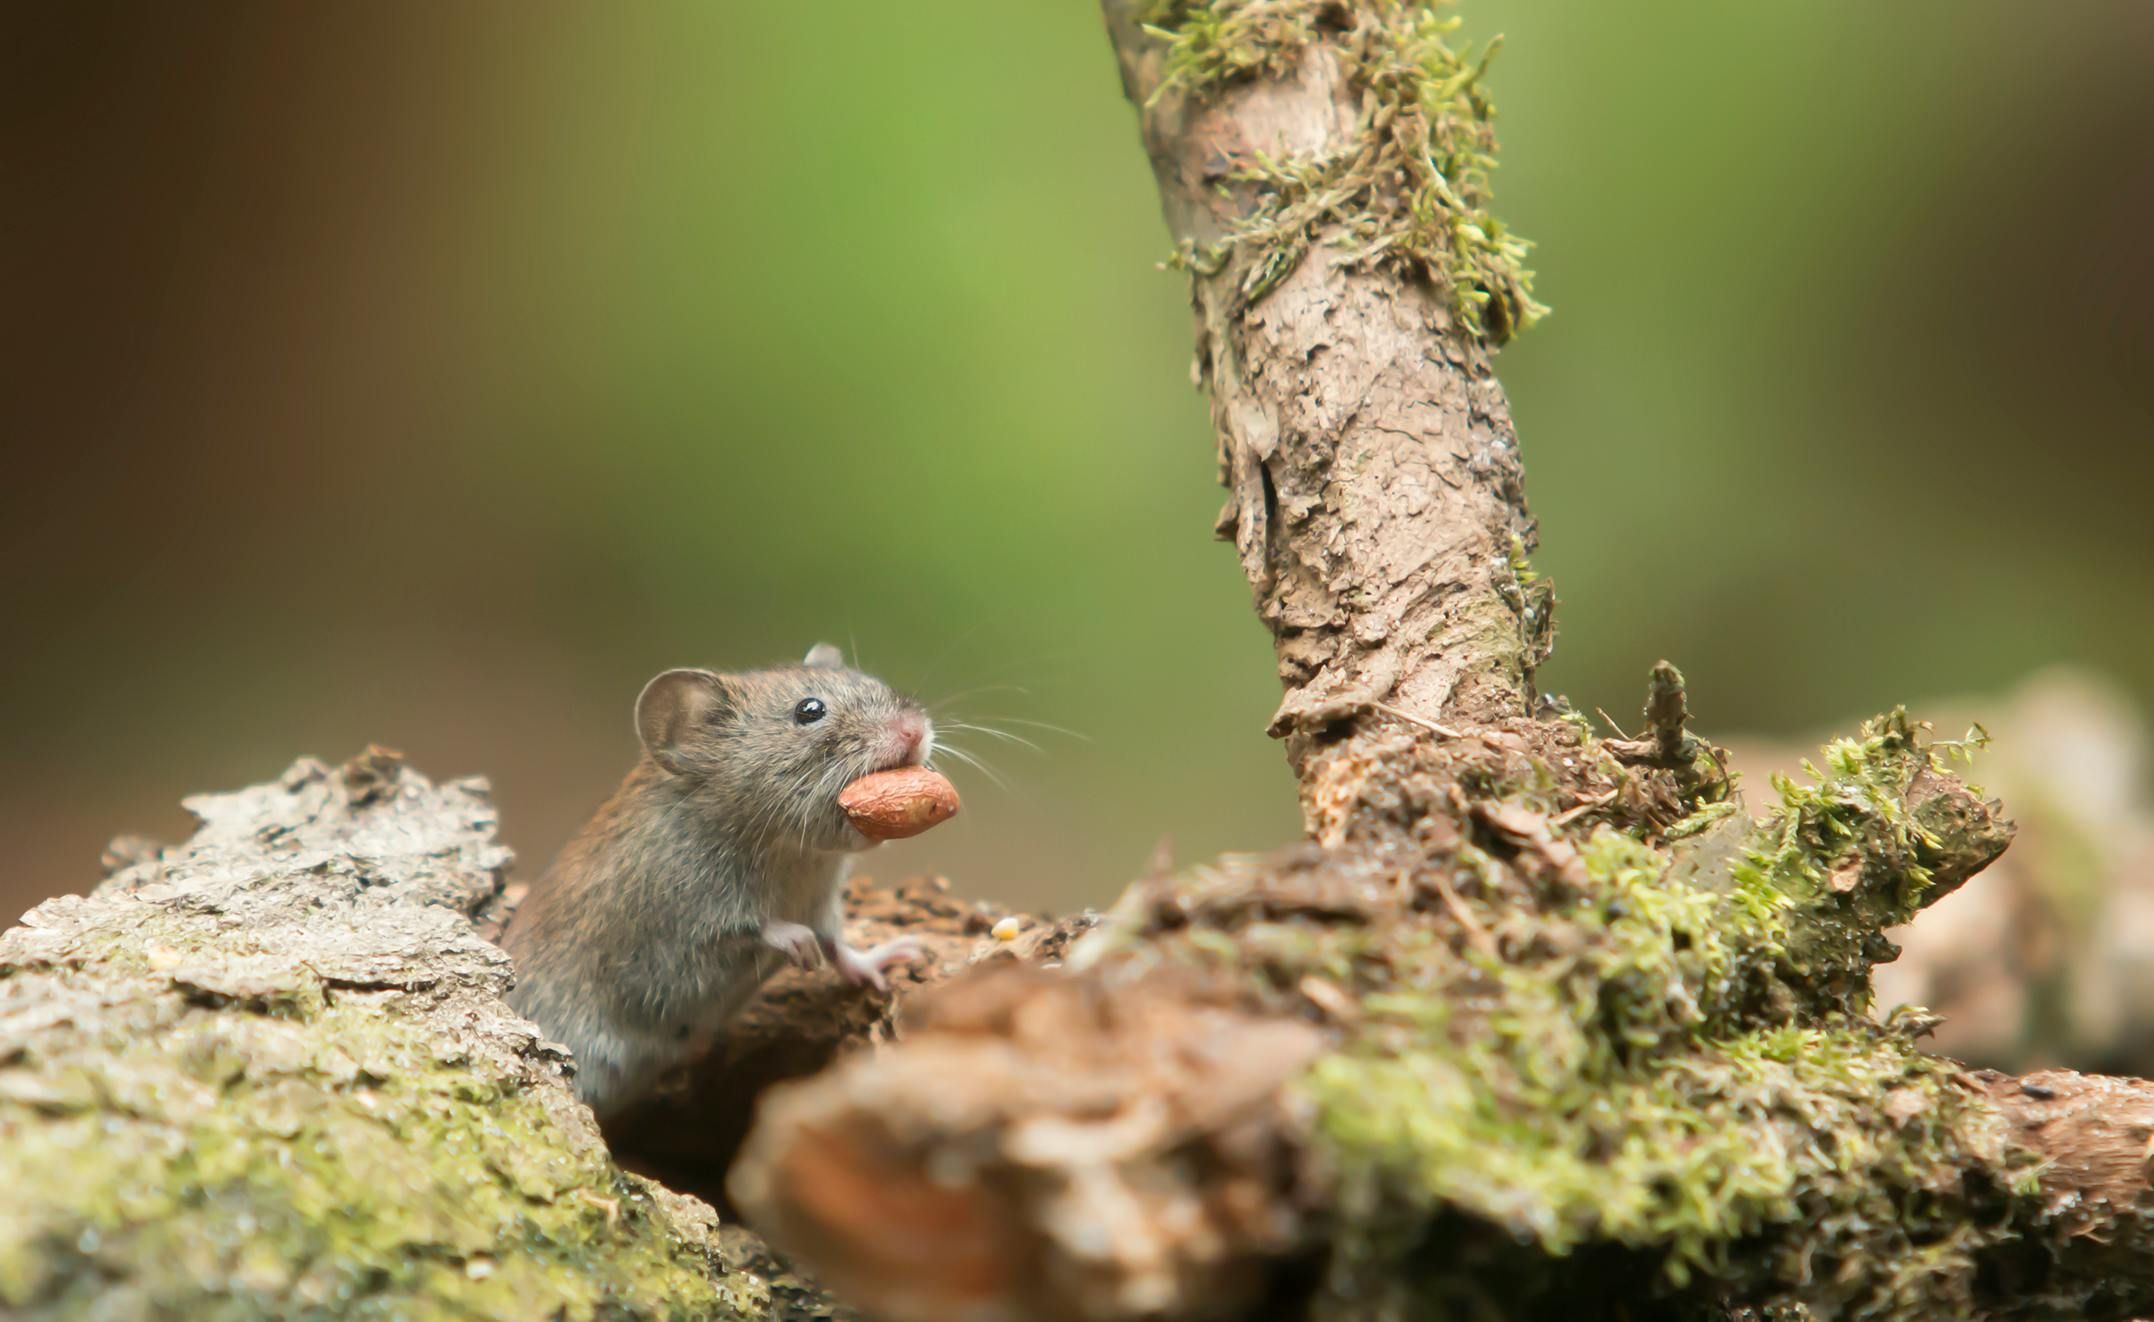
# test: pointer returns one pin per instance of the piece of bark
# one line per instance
(1042, 1148)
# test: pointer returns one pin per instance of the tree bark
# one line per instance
(1375, 495)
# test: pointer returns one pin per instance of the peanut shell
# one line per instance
(895, 804)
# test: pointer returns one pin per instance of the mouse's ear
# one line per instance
(672, 708)
(823, 656)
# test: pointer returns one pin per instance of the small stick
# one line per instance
(1569, 815)
(1411, 719)
(610, 1206)
(1475, 933)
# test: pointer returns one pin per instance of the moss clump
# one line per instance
(1615, 1075)
(1210, 45)
(1413, 184)
(1863, 848)
(1566, 1045)
(1751, 1164)
(1530, 594)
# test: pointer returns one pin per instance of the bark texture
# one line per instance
(1375, 495)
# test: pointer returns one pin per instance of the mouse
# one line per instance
(720, 860)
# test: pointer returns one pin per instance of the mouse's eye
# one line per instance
(808, 711)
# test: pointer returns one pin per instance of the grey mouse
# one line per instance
(720, 859)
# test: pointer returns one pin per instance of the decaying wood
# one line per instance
(1130, 1141)
(1042, 1148)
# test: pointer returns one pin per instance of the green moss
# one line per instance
(1210, 45)
(1855, 858)
(323, 1154)
(1412, 187)
(1617, 1079)
(1687, 1162)
(1702, 820)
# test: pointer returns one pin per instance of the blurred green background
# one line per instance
(432, 374)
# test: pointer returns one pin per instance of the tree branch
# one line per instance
(1539, 1024)
(1375, 494)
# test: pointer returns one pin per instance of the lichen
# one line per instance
(1411, 186)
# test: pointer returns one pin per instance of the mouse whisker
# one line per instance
(1048, 726)
(949, 648)
(943, 746)
(764, 824)
(993, 733)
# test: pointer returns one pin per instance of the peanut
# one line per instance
(895, 804)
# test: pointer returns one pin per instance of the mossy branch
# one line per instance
(1548, 1070)
(1351, 395)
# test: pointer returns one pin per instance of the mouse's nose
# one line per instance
(914, 734)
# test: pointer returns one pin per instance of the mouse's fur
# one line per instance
(721, 856)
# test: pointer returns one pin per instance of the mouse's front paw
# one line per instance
(795, 941)
(864, 968)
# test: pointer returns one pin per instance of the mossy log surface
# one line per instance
(268, 1074)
